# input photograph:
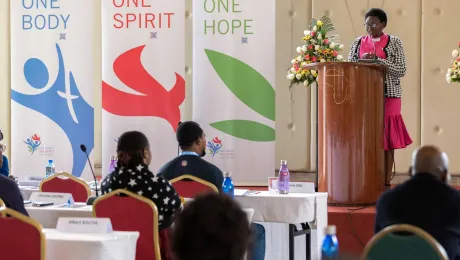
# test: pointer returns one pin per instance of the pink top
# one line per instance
(368, 44)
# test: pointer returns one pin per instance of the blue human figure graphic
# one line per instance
(63, 104)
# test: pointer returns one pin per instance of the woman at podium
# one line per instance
(387, 50)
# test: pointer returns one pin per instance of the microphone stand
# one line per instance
(178, 147)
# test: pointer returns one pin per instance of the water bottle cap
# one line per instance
(112, 158)
(330, 230)
(50, 161)
(227, 174)
(283, 162)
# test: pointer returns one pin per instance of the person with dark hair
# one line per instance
(11, 195)
(4, 166)
(132, 173)
(211, 227)
(192, 142)
(387, 50)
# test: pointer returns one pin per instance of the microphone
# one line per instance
(178, 147)
(92, 198)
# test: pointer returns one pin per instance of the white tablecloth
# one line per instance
(70, 246)
(48, 216)
(276, 211)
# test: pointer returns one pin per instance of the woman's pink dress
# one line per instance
(396, 135)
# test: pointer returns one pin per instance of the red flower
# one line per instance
(326, 41)
(459, 44)
(217, 140)
(36, 137)
(313, 34)
(307, 57)
(296, 65)
(335, 53)
(310, 47)
(313, 59)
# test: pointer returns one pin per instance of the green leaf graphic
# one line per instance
(245, 129)
(245, 82)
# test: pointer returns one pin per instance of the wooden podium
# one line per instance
(350, 131)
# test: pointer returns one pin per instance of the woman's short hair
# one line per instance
(379, 13)
(211, 227)
(130, 148)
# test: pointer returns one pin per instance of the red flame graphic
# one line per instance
(157, 101)
(217, 140)
(36, 137)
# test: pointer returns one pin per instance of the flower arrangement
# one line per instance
(317, 47)
(453, 73)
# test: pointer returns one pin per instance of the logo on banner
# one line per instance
(61, 102)
(33, 143)
(156, 100)
(214, 146)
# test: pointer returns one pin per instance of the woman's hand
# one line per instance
(369, 56)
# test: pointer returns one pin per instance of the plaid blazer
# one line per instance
(395, 62)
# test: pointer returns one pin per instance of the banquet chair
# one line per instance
(188, 186)
(131, 212)
(22, 237)
(403, 241)
(66, 183)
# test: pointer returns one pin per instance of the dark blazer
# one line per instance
(11, 196)
(426, 202)
(195, 166)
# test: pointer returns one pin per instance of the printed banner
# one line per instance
(233, 85)
(143, 62)
(51, 86)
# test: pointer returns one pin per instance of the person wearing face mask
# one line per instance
(426, 201)
(387, 50)
(192, 142)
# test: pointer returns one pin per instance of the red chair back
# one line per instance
(131, 212)
(66, 183)
(188, 186)
(22, 237)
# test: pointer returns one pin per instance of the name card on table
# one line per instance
(85, 225)
(294, 187)
(35, 178)
(54, 197)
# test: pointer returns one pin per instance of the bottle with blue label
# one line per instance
(50, 168)
(283, 178)
(330, 248)
(227, 187)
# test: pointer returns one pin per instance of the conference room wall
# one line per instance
(429, 106)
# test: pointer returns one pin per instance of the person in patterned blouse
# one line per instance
(132, 174)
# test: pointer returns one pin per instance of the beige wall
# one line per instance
(428, 28)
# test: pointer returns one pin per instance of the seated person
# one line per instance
(11, 195)
(132, 174)
(211, 227)
(4, 167)
(426, 201)
(192, 142)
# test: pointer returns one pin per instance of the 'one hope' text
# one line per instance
(41, 21)
(224, 26)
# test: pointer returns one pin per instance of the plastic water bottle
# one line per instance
(283, 178)
(50, 169)
(113, 163)
(227, 187)
(330, 248)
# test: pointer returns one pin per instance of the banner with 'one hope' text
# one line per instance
(143, 61)
(51, 85)
(233, 85)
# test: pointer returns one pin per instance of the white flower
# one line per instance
(449, 80)
(306, 32)
(316, 47)
(339, 57)
(454, 53)
(454, 76)
(341, 46)
(449, 71)
(315, 28)
(320, 36)
(290, 76)
(304, 48)
(298, 76)
(303, 64)
(293, 70)
(322, 60)
(293, 61)
(299, 49)
(332, 45)
(299, 59)
(305, 83)
(313, 41)
(313, 72)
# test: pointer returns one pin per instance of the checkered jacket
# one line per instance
(395, 62)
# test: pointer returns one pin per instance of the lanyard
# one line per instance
(188, 153)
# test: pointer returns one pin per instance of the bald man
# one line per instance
(426, 200)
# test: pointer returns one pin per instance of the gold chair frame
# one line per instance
(405, 228)
(156, 237)
(67, 175)
(6, 212)
(196, 179)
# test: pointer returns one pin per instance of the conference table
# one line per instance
(281, 215)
